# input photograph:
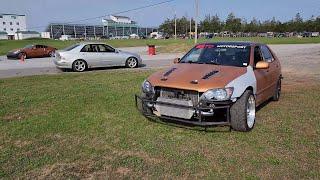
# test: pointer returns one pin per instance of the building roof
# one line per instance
(3, 33)
(4, 14)
(28, 32)
(123, 17)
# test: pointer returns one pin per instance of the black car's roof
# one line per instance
(238, 43)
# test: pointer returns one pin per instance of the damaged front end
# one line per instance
(184, 106)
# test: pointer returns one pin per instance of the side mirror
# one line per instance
(262, 65)
(176, 60)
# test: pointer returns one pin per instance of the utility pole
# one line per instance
(196, 22)
(190, 28)
(175, 24)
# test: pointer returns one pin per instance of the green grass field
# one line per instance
(170, 45)
(84, 125)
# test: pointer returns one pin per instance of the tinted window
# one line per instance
(87, 48)
(266, 54)
(39, 46)
(257, 55)
(228, 55)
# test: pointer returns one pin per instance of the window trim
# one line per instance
(272, 57)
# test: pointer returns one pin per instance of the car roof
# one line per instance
(86, 43)
(238, 43)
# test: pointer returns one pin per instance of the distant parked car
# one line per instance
(32, 51)
(80, 57)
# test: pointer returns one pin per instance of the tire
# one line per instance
(52, 54)
(132, 62)
(24, 55)
(277, 92)
(79, 66)
(243, 112)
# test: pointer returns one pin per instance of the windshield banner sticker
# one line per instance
(231, 46)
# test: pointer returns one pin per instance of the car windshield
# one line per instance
(227, 55)
(71, 47)
(28, 46)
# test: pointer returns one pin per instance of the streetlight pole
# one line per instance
(175, 24)
(196, 22)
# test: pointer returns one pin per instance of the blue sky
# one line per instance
(42, 12)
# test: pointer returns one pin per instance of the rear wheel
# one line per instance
(132, 62)
(79, 66)
(277, 92)
(243, 112)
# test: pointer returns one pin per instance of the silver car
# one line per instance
(80, 57)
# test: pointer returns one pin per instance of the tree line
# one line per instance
(214, 24)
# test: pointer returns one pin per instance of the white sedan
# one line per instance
(80, 57)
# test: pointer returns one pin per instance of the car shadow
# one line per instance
(181, 125)
(208, 129)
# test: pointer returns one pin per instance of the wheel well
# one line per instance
(134, 58)
(250, 88)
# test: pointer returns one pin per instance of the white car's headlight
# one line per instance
(147, 87)
(218, 94)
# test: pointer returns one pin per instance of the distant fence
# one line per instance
(91, 31)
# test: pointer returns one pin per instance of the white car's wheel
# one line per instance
(79, 66)
(132, 62)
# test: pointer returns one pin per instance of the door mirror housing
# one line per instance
(176, 60)
(262, 65)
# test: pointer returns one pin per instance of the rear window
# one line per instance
(71, 47)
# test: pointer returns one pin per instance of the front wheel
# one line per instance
(132, 62)
(243, 112)
(79, 66)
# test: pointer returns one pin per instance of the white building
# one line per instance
(11, 23)
(121, 19)
(20, 35)
(3, 35)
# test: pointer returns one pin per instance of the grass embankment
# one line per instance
(86, 125)
(168, 46)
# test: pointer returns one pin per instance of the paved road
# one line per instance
(303, 59)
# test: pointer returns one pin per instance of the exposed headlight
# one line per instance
(218, 94)
(147, 87)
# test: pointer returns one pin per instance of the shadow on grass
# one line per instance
(207, 129)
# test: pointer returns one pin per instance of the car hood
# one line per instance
(14, 50)
(197, 77)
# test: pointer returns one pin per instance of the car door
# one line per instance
(39, 51)
(262, 77)
(274, 69)
(91, 55)
(109, 56)
(31, 51)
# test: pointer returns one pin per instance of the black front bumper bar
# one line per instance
(199, 120)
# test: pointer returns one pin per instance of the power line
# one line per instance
(115, 13)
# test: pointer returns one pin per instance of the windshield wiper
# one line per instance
(193, 62)
(215, 63)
